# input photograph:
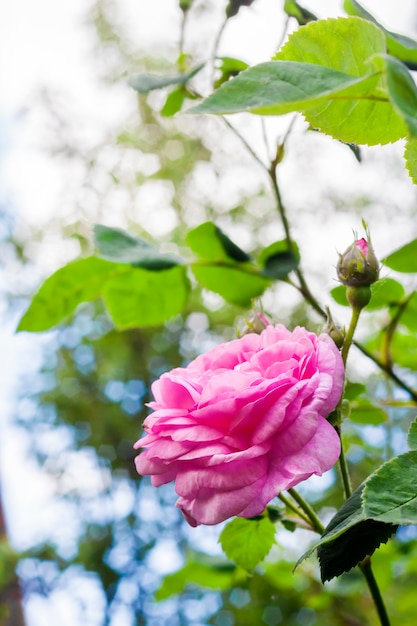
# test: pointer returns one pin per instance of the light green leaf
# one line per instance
(229, 67)
(208, 242)
(412, 435)
(144, 83)
(390, 494)
(409, 314)
(174, 101)
(353, 390)
(247, 542)
(410, 156)
(346, 45)
(385, 292)
(399, 46)
(236, 285)
(79, 281)
(362, 411)
(142, 298)
(404, 259)
(198, 571)
(118, 246)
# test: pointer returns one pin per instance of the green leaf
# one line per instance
(404, 259)
(233, 7)
(302, 15)
(399, 46)
(116, 245)
(79, 281)
(352, 547)
(412, 435)
(174, 101)
(410, 156)
(235, 284)
(348, 538)
(402, 90)
(277, 261)
(385, 292)
(279, 87)
(202, 572)
(352, 390)
(143, 298)
(210, 243)
(409, 314)
(403, 348)
(144, 83)
(247, 542)
(229, 67)
(390, 494)
(346, 45)
(362, 411)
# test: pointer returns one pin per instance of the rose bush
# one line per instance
(244, 422)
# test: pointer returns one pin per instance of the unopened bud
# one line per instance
(256, 323)
(358, 265)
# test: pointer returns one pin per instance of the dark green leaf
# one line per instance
(142, 298)
(208, 242)
(352, 547)
(116, 245)
(412, 436)
(247, 542)
(233, 7)
(280, 265)
(144, 83)
(390, 494)
(402, 91)
(279, 87)
(79, 281)
(404, 259)
(277, 261)
(235, 285)
(348, 538)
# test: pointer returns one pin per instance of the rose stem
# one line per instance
(365, 565)
(294, 508)
(308, 510)
(366, 569)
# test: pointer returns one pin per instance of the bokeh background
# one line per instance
(92, 542)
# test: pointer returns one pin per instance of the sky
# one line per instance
(45, 44)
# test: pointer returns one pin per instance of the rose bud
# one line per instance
(358, 265)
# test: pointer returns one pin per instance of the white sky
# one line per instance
(45, 43)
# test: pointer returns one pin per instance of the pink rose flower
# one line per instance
(244, 422)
